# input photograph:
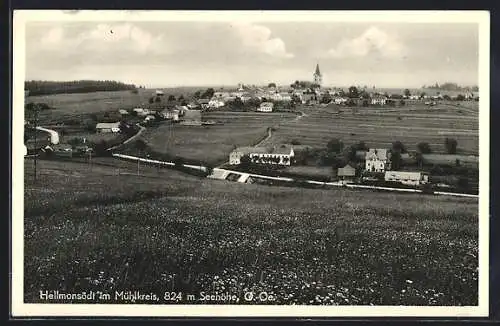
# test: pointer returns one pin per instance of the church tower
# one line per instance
(317, 75)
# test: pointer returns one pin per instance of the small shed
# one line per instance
(347, 172)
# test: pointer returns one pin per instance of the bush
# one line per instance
(424, 148)
(450, 145)
(295, 142)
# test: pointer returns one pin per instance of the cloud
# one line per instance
(258, 37)
(109, 38)
(53, 36)
(373, 40)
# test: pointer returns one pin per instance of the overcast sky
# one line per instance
(166, 54)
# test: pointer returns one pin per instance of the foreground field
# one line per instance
(380, 127)
(109, 230)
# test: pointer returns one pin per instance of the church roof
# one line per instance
(317, 70)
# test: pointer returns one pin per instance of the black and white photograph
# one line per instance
(265, 163)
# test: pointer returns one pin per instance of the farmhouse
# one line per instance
(215, 103)
(340, 100)
(377, 160)
(378, 100)
(282, 155)
(123, 112)
(407, 178)
(159, 93)
(203, 102)
(192, 118)
(266, 107)
(346, 173)
(170, 114)
(138, 110)
(150, 118)
(108, 127)
(309, 97)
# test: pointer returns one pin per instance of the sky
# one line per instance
(165, 54)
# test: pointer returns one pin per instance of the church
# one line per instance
(317, 77)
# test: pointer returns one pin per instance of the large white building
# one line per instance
(377, 160)
(282, 155)
(407, 178)
(266, 107)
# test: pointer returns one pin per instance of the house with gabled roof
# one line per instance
(377, 160)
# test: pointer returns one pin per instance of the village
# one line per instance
(375, 166)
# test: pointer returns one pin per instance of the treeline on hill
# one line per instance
(42, 87)
(451, 87)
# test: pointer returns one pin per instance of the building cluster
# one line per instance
(378, 160)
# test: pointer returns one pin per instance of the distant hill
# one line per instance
(42, 87)
(452, 87)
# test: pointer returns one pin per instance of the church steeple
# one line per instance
(317, 75)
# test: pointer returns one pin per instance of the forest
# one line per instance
(41, 87)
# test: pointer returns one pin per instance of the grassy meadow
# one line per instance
(213, 143)
(380, 127)
(105, 228)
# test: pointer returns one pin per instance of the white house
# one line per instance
(377, 160)
(339, 100)
(170, 114)
(215, 103)
(123, 112)
(266, 107)
(414, 97)
(282, 155)
(108, 127)
(378, 100)
(138, 110)
(407, 178)
(149, 118)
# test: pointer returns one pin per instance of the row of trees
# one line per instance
(42, 87)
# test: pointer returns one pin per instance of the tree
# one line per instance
(271, 85)
(157, 99)
(335, 145)
(209, 93)
(325, 98)
(407, 92)
(422, 95)
(398, 147)
(140, 145)
(197, 94)
(245, 161)
(420, 159)
(151, 100)
(353, 92)
(450, 145)
(395, 161)
(460, 97)
(402, 102)
(424, 148)
(181, 98)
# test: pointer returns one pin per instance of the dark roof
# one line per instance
(203, 100)
(317, 72)
(346, 171)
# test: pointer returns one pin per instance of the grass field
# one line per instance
(165, 231)
(379, 127)
(82, 104)
(212, 144)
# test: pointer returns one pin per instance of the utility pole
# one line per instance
(35, 107)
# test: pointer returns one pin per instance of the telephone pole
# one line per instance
(35, 107)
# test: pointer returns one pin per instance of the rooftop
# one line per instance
(380, 153)
(282, 149)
